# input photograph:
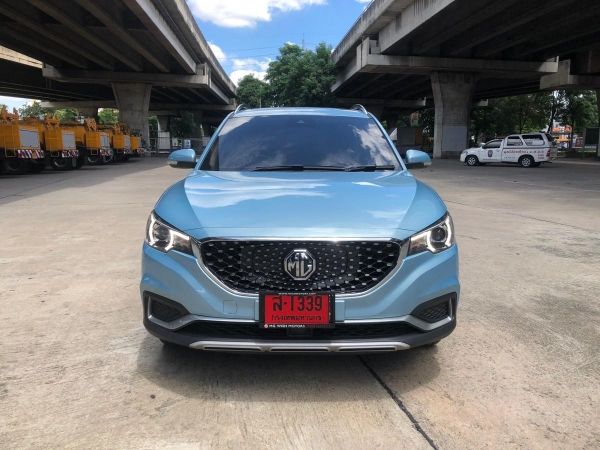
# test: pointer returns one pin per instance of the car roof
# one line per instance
(289, 111)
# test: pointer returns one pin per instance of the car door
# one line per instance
(513, 148)
(491, 151)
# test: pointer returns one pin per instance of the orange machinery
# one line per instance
(136, 145)
(120, 139)
(93, 143)
(20, 147)
(58, 142)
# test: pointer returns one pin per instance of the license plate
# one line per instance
(296, 310)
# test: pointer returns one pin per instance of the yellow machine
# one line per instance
(20, 148)
(57, 142)
(136, 145)
(120, 139)
(92, 143)
(135, 140)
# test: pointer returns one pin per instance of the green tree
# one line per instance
(35, 109)
(252, 92)
(301, 77)
(108, 116)
(578, 109)
(184, 126)
(153, 126)
(67, 114)
(515, 114)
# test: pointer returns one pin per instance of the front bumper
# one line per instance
(366, 345)
(418, 279)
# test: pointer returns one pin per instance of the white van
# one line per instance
(527, 150)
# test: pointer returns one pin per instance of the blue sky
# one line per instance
(246, 34)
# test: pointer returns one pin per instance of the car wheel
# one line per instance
(472, 160)
(61, 163)
(93, 160)
(526, 161)
(13, 166)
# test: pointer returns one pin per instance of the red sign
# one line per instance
(296, 310)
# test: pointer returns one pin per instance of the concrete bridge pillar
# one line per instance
(452, 96)
(133, 101)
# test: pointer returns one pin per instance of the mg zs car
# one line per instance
(300, 230)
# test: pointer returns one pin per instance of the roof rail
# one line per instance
(240, 107)
(359, 107)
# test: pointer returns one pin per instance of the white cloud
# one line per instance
(245, 66)
(250, 63)
(218, 51)
(244, 13)
(363, 1)
(237, 75)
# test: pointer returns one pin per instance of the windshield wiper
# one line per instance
(295, 168)
(369, 168)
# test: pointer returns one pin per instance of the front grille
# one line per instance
(216, 330)
(341, 267)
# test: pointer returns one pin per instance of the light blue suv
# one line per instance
(300, 230)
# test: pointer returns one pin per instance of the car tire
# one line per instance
(94, 160)
(61, 163)
(526, 161)
(14, 166)
(471, 161)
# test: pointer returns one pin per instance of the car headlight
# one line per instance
(435, 239)
(163, 237)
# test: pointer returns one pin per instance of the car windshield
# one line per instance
(300, 142)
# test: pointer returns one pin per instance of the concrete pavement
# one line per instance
(77, 369)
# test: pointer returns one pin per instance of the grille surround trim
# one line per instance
(402, 253)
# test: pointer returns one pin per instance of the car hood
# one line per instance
(300, 204)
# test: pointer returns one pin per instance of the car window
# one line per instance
(246, 143)
(514, 141)
(493, 144)
(533, 139)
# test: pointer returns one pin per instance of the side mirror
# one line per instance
(183, 159)
(416, 158)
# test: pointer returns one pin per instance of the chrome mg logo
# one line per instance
(300, 264)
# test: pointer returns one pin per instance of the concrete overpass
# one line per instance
(461, 51)
(135, 55)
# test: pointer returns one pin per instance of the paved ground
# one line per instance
(522, 369)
